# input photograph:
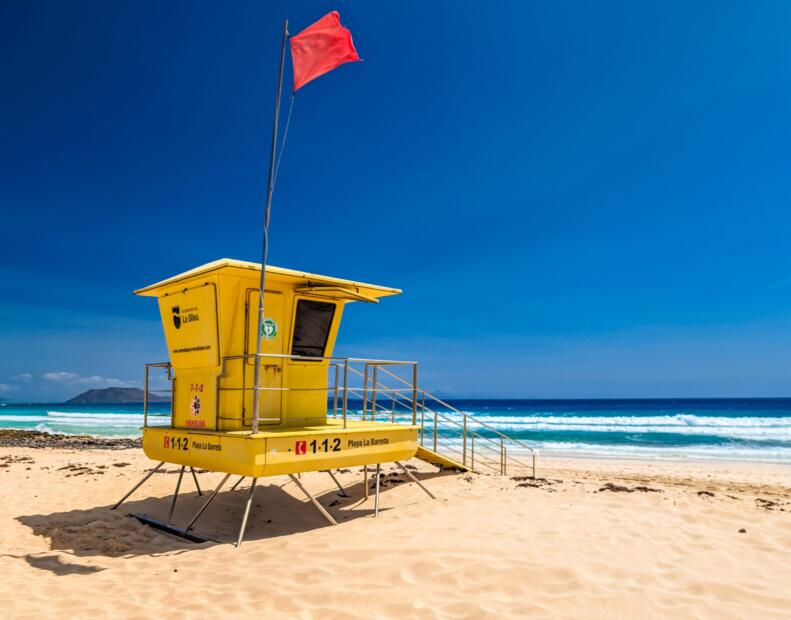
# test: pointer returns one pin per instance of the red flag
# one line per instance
(320, 48)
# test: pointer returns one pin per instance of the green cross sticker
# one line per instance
(269, 329)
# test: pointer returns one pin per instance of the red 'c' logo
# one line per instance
(301, 447)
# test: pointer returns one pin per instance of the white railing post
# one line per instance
(464, 443)
(414, 393)
(335, 397)
(365, 391)
(145, 401)
(345, 389)
(373, 393)
(423, 420)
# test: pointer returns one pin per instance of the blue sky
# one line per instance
(578, 199)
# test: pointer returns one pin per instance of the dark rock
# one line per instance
(10, 438)
(766, 504)
(534, 483)
(616, 488)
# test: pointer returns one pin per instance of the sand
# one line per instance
(698, 541)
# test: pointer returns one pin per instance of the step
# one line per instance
(424, 454)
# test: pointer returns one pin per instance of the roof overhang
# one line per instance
(311, 283)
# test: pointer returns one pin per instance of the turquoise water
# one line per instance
(106, 420)
(720, 429)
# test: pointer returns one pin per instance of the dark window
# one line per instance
(312, 327)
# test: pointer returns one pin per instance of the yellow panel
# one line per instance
(190, 321)
(307, 395)
(282, 452)
(308, 381)
(224, 452)
(273, 342)
(339, 448)
(194, 399)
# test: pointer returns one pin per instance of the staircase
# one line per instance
(387, 391)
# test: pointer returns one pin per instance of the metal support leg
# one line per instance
(195, 478)
(343, 492)
(313, 499)
(206, 504)
(175, 496)
(238, 482)
(365, 481)
(138, 485)
(415, 480)
(246, 512)
(376, 497)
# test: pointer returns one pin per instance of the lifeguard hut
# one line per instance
(209, 315)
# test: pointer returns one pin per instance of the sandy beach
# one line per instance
(588, 538)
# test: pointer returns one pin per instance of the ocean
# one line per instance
(746, 429)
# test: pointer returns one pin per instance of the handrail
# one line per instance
(467, 415)
(490, 443)
(316, 358)
(441, 415)
(333, 361)
(168, 366)
(484, 424)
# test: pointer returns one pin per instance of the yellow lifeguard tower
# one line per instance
(209, 315)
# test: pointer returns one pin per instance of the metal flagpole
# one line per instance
(257, 372)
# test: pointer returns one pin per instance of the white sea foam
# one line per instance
(678, 420)
(22, 418)
(76, 422)
(77, 415)
(713, 453)
(681, 424)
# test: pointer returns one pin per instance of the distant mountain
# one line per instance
(110, 396)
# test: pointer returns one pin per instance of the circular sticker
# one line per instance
(269, 329)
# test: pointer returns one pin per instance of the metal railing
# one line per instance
(386, 390)
(166, 366)
(445, 429)
(341, 368)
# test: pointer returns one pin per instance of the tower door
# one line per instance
(272, 339)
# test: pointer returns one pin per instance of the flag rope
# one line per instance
(285, 135)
